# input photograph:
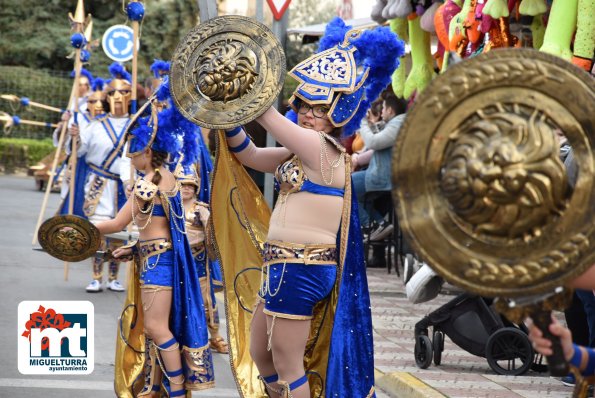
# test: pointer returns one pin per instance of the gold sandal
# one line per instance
(219, 345)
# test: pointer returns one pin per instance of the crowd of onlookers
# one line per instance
(371, 154)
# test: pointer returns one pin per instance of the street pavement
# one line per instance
(460, 375)
(30, 275)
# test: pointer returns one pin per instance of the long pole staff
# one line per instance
(48, 188)
(135, 11)
(78, 26)
(26, 102)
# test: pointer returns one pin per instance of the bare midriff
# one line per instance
(158, 228)
(304, 217)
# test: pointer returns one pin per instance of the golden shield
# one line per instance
(480, 188)
(226, 72)
(69, 238)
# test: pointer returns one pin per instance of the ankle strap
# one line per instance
(179, 393)
(156, 388)
(175, 373)
(298, 383)
(271, 378)
(167, 344)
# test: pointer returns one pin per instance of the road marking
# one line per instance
(94, 385)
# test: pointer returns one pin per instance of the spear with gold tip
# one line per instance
(78, 41)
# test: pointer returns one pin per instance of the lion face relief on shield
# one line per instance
(225, 71)
(502, 175)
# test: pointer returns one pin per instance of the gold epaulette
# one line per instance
(144, 189)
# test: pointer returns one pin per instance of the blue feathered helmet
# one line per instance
(163, 129)
(97, 97)
(119, 88)
(85, 77)
(348, 73)
(160, 68)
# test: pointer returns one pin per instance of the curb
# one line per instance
(404, 385)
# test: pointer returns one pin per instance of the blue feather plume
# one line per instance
(159, 67)
(98, 84)
(176, 135)
(84, 72)
(379, 49)
(118, 71)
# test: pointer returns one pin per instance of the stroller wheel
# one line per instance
(438, 346)
(423, 351)
(509, 352)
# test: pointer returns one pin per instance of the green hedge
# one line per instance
(35, 150)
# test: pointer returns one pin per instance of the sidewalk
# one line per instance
(460, 375)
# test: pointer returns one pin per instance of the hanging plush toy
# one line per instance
(471, 24)
(533, 7)
(584, 39)
(538, 31)
(486, 20)
(560, 28)
(376, 13)
(496, 8)
(456, 31)
(427, 19)
(399, 27)
(422, 62)
(397, 9)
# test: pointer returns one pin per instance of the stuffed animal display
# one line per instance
(565, 28)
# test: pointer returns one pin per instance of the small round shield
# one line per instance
(482, 192)
(69, 238)
(226, 72)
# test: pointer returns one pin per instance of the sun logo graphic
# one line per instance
(56, 337)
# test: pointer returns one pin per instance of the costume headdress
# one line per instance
(120, 77)
(187, 175)
(160, 68)
(85, 76)
(348, 73)
(96, 98)
(119, 87)
(164, 129)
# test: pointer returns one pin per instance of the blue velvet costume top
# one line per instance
(290, 177)
(158, 210)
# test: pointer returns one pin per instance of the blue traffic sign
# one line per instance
(117, 43)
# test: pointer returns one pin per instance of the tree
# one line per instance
(304, 13)
(36, 34)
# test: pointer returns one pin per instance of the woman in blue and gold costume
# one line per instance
(163, 333)
(302, 300)
(197, 216)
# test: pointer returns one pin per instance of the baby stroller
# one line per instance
(474, 326)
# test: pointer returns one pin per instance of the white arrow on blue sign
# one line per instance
(117, 43)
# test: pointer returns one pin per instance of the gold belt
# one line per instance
(299, 253)
(153, 247)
